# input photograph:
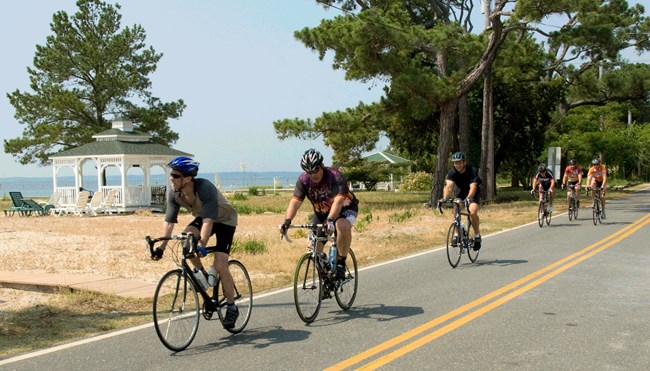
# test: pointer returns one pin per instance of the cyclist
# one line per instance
(333, 202)
(466, 178)
(572, 174)
(597, 177)
(545, 178)
(214, 215)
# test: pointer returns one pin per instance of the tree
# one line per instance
(88, 70)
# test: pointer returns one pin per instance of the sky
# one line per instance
(235, 64)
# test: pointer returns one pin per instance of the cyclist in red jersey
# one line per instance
(572, 177)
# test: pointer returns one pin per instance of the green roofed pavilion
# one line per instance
(120, 150)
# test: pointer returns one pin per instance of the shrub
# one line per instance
(400, 217)
(239, 196)
(253, 191)
(417, 182)
(248, 247)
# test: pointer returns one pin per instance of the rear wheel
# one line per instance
(454, 249)
(176, 311)
(346, 289)
(540, 214)
(548, 216)
(307, 289)
(243, 296)
(471, 253)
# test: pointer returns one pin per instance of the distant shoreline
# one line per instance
(227, 181)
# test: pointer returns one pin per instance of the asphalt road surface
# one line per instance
(566, 296)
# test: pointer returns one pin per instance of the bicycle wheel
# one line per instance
(243, 296)
(548, 216)
(572, 207)
(600, 211)
(471, 253)
(540, 214)
(575, 209)
(176, 310)
(307, 289)
(595, 211)
(346, 289)
(454, 250)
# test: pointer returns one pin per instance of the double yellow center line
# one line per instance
(503, 295)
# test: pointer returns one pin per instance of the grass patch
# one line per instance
(72, 315)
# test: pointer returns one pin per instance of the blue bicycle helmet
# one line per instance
(458, 156)
(185, 165)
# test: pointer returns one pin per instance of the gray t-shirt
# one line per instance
(208, 203)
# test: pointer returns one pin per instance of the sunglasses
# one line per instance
(175, 176)
(313, 172)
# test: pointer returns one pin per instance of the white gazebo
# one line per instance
(125, 149)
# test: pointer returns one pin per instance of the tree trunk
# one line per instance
(447, 113)
(463, 125)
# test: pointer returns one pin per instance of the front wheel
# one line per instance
(243, 296)
(595, 211)
(454, 248)
(572, 207)
(346, 289)
(540, 214)
(575, 210)
(176, 310)
(600, 212)
(307, 289)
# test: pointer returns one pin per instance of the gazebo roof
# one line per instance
(380, 156)
(117, 147)
(121, 139)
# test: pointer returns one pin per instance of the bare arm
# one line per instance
(167, 230)
(449, 185)
(292, 209)
(206, 231)
(337, 205)
(472, 190)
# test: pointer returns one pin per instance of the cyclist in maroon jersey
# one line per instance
(333, 202)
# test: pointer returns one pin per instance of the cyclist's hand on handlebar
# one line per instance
(285, 226)
(157, 254)
(563, 186)
(532, 192)
(329, 224)
(202, 251)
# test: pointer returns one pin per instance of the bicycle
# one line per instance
(543, 212)
(458, 238)
(315, 276)
(176, 308)
(574, 206)
(597, 207)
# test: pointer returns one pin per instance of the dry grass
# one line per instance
(390, 226)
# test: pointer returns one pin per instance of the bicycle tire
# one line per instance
(540, 214)
(454, 252)
(594, 210)
(575, 210)
(346, 290)
(243, 296)
(600, 211)
(471, 253)
(572, 206)
(176, 310)
(548, 216)
(307, 289)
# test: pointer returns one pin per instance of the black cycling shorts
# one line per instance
(225, 234)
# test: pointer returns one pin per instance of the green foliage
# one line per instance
(253, 191)
(416, 182)
(89, 68)
(239, 196)
(252, 247)
(362, 221)
(401, 217)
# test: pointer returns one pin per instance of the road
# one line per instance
(566, 296)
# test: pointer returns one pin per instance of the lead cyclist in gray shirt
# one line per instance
(214, 215)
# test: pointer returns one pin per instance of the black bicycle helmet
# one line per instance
(573, 161)
(311, 161)
(458, 156)
(595, 161)
(185, 165)
(541, 167)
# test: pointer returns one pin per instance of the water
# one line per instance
(226, 181)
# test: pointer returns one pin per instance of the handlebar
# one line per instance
(295, 226)
(449, 201)
(178, 237)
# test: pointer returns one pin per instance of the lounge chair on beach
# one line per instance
(18, 206)
(95, 205)
(52, 203)
(32, 207)
(77, 209)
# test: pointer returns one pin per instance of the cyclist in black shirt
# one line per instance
(466, 178)
(545, 178)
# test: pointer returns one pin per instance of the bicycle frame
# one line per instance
(543, 212)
